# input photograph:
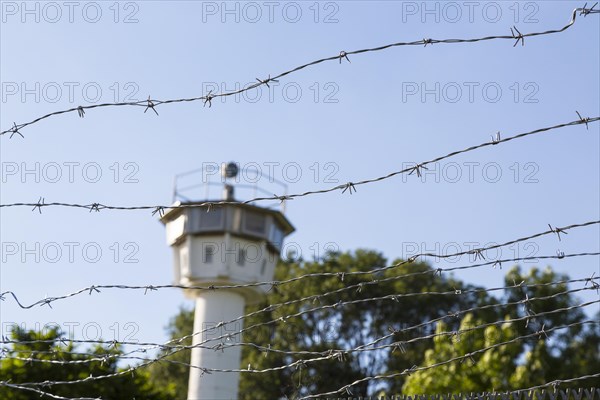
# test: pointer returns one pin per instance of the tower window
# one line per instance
(263, 267)
(184, 261)
(209, 252)
(276, 236)
(241, 257)
(211, 220)
(254, 222)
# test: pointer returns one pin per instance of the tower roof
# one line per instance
(173, 213)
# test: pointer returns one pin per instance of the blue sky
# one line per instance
(353, 120)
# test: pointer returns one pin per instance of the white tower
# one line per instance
(229, 245)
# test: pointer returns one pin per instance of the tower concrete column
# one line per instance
(213, 308)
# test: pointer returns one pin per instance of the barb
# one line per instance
(351, 186)
(153, 103)
(558, 231)
(151, 106)
(39, 205)
(519, 36)
(585, 11)
(208, 99)
(266, 81)
(497, 138)
(343, 55)
(417, 168)
(15, 129)
(591, 281)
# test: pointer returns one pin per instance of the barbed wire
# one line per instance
(169, 344)
(350, 186)
(466, 357)
(551, 230)
(228, 337)
(275, 284)
(477, 253)
(458, 313)
(333, 355)
(360, 286)
(43, 393)
(102, 358)
(152, 104)
(171, 347)
(221, 347)
(341, 353)
(556, 383)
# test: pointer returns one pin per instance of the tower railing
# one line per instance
(196, 185)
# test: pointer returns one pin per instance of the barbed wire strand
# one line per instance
(275, 284)
(350, 186)
(152, 104)
(477, 253)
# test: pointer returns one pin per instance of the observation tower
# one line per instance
(233, 244)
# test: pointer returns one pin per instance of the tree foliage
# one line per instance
(489, 369)
(544, 357)
(24, 363)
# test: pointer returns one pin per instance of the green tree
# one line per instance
(542, 358)
(172, 374)
(30, 360)
(491, 369)
(563, 353)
